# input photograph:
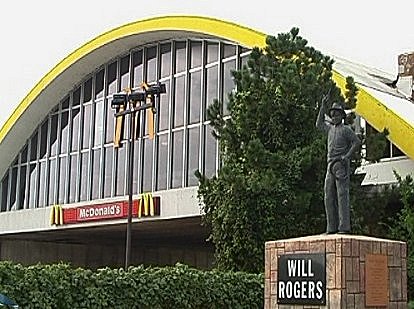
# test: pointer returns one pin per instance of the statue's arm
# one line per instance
(320, 120)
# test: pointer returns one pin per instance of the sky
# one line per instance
(36, 35)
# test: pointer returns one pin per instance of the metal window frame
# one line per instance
(33, 193)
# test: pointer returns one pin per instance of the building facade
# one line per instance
(64, 184)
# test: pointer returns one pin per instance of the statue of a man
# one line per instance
(342, 143)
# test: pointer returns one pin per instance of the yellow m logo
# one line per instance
(56, 215)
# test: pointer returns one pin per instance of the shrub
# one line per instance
(61, 286)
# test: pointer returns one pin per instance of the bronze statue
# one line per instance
(342, 143)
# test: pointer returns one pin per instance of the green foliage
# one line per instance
(376, 143)
(403, 227)
(350, 99)
(374, 209)
(60, 286)
(270, 184)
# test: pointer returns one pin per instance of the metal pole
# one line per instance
(130, 179)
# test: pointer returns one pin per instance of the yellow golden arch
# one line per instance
(370, 108)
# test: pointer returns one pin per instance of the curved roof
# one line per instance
(67, 73)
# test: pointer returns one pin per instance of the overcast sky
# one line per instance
(36, 35)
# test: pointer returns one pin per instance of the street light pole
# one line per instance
(128, 102)
(130, 177)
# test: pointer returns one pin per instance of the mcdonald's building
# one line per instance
(64, 179)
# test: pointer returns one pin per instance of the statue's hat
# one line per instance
(338, 107)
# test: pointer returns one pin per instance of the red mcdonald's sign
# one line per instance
(146, 206)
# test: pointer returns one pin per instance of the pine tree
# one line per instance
(270, 184)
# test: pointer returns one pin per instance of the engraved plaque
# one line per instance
(376, 280)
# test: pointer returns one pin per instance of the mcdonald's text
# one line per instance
(99, 212)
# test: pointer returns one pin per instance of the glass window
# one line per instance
(193, 155)
(96, 174)
(147, 165)
(212, 52)
(177, 159)
(98, 128)
(229, 50)
(62, 180)
(210, 153)
(76, 97)
(87, 90)
(212, 87)
(75, 129)
(162, 162)
(137, 64)
(53, 134)
(180, 57)
(243, 50)
(22, 187)
(163, 115)
(65, 103)
(86, 121)
(244, 60)
(120, 171)
(32, 185)
(188, 88)
(64, 123)
(111, 78)
(33, 147)
(228, 84)
(4, 191)
(52, 185)
(396, 152)
(196, 59)
(125, 72)
(108, 171)
(24, 154)
(151, 64)
(55, 109)
(135, 184)
(42, 183)
(73, 179)
(179, 101)
(195, 97)
(110, 124)
(165, 60)
(148, 115)
(43, 140)
(99, 84)
(84, 177)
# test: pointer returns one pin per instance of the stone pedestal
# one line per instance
(348, 259)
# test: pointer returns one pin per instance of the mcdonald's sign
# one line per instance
(56, 215)
(146, 205)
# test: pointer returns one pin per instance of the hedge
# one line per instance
(62, 286)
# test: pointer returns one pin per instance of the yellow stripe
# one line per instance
(150, 120)
(141, 201)
(52, 215)
(146, 200)
(60, 215)
(151, 201)
(215, 27)
(118, 128)
(56, 214)
(400, 132)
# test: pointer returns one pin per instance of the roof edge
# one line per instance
(368, 106)
(401, 133)
(206, 25)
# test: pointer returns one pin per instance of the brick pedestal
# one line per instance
(345, 268)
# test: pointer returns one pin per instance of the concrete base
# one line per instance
(345, 269)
